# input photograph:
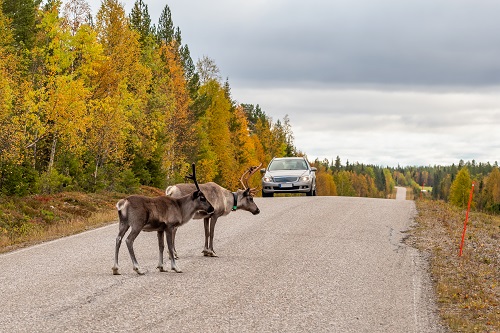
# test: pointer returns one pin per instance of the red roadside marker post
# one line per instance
(466, 218)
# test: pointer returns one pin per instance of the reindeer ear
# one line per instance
(247, 192)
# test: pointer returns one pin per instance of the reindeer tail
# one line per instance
(122, 208)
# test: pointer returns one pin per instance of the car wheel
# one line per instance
(310, 193)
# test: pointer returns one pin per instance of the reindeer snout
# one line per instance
(210, 210)
(256, 212)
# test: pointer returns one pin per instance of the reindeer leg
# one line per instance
(171, 249)
(211, 251)
(174, 232)
(206, 221)
(123, 227)
(130, 244)
(161, 248)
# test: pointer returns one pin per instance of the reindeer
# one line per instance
(161, 214)
(224, 202)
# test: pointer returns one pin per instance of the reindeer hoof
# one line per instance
(140, 271)
(177, 270)
(209, 253)
(162, 269)
(115, 271)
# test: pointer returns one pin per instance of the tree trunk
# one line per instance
(52, 153)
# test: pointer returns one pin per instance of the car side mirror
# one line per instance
(263, 170)
(314, 169)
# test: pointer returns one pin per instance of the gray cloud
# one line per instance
(411, 42)
(385, 42)
(413, 82)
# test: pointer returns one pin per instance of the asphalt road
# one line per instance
(305, 264)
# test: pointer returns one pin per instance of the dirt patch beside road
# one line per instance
(467, 287)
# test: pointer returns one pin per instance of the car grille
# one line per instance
(285, 179)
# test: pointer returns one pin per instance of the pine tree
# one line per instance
(192, 77)
(140, 21)
(165, 30)
(338, 165)
(23, 16)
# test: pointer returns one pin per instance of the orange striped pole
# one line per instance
(466, 218)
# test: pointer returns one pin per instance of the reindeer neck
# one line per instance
(187, 208)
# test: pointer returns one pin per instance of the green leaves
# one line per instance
(110, 105)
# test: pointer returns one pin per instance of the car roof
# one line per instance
(287, 158)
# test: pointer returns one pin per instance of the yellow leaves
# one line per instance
(90, 93)
(460, 188)
(325, 184)
(107, 132)
(216, 124)
(67, 111)
(493, 186)
(88, 54)
(53, 42)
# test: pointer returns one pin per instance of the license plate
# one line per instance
(286, 185)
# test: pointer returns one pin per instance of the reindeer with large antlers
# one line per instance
(161, 214)
(223, 201)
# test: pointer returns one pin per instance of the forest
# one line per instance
(451, 184)
(113, 102)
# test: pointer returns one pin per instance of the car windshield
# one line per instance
(288, 165)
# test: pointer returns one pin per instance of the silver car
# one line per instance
(288, 175)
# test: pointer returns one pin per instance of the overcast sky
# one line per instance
(414, 82)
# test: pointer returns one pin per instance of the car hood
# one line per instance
(282, 173)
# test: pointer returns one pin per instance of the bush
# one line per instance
(19, 180)
(128, 183)
(52, 182)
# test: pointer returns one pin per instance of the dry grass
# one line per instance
(467, 287)
(35, 219)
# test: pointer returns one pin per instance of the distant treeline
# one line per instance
(113, 101)
(453, 183)
(448, 183)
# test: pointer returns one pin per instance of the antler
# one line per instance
(193, 177)
(246, 176)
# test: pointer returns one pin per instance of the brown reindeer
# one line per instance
(161, 214)
(224, 202)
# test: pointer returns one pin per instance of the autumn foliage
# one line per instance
(114, 102)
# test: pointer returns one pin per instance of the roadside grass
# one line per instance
(35, 219)
(467, 287)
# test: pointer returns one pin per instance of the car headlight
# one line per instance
(267, 179)
(305, 178)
